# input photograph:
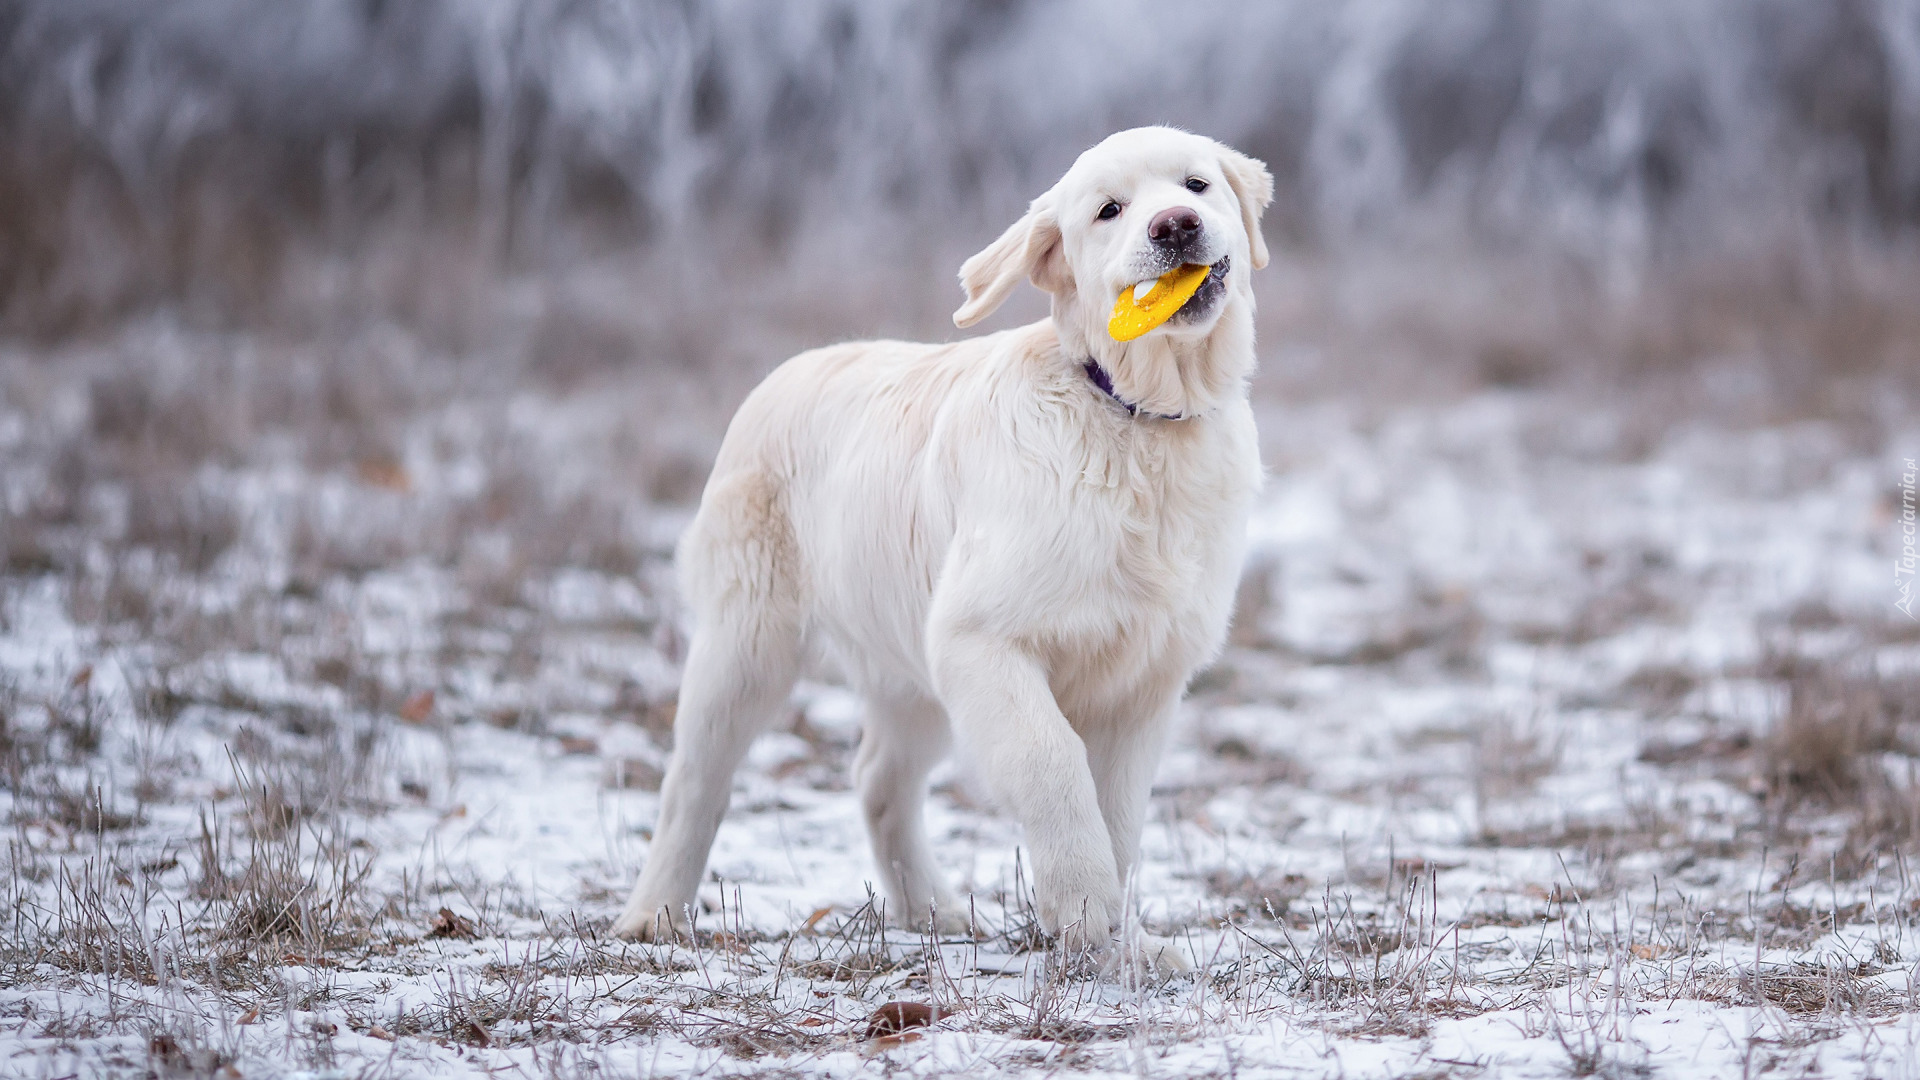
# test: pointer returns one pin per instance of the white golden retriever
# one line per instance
(1029, 540)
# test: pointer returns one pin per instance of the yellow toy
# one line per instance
(1135, 314)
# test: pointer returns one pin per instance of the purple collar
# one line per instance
(1105, 382)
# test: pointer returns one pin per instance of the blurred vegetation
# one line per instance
(573, 188)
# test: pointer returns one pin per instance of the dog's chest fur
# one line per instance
(993, 473)
(1161, 508)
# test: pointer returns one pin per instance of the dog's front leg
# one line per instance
(1124, 748)
(1035, 765)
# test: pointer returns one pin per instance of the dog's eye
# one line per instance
(1109, 211)
(1196, 185)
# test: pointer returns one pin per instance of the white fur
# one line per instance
(990, 546)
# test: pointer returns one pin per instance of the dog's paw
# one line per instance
(1080, 919)
(1091, 943)
(641, 924)
(1147, 956)
(948, 918)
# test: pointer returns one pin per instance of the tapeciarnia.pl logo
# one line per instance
(1903, 566)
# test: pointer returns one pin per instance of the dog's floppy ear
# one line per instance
(1030, 248)
(1252, 184)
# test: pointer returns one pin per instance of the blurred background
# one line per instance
(581, 187)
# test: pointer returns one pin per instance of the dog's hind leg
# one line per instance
(739, 572)
(903, 739)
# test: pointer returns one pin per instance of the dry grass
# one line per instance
(1849, 746)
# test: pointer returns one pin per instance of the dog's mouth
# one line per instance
(1208, 295)
(1186, 293)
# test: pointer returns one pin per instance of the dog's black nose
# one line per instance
(1175, 227)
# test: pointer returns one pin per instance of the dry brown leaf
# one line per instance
(888, 1042)
(449, 925)
(897, 1016)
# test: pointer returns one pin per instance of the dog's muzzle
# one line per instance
(1208, 296)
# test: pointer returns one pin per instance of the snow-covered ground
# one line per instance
(1545, 746)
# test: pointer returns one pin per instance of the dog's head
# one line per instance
(1140, 204)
